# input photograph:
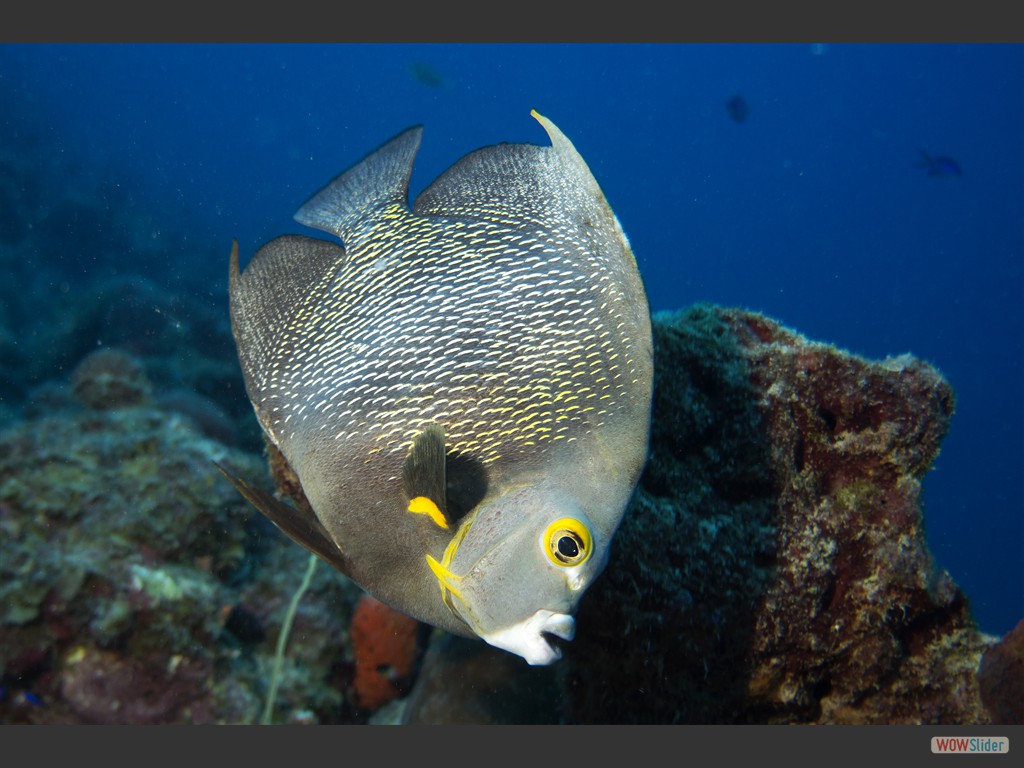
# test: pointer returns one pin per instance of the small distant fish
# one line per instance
(737, 108)
(426, 74)
(463, 390)
(939, 165)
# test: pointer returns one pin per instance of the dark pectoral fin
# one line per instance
(297, 524)
(423, 475)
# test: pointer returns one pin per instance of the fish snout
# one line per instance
(534, 638)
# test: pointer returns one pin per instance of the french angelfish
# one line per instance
(463, 389)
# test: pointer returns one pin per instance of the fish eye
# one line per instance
(567, 542)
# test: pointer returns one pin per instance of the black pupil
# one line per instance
(567, 547)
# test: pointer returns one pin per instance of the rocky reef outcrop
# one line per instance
(136, 586)
(772, 567)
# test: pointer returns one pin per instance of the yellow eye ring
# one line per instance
(567, 542)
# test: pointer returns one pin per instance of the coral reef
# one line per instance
(772, 567)
(110, 378)
(208, 417)
(137, 586)
(108, 687)
(790, 582)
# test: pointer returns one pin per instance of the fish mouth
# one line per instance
(556, 644)
(538, 639)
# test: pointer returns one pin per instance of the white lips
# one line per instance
(527, 639)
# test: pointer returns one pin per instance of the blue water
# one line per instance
(812, 210)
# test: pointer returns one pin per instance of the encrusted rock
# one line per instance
(772, 567)
(104, 687)
(137, 586)
(1001, 677)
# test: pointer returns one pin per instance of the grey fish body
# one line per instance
(454, 381)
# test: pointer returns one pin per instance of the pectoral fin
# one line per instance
(423, 476)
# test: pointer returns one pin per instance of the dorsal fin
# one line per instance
(277, 284)
(423, 475)
(513, 184)
(382, 177)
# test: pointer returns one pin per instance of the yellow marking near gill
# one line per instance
(445, 578)
(421, 505)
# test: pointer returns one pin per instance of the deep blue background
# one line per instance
(812, 210)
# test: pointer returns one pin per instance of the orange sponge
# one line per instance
(386, 647)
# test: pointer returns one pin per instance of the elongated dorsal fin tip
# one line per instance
(558, 139)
